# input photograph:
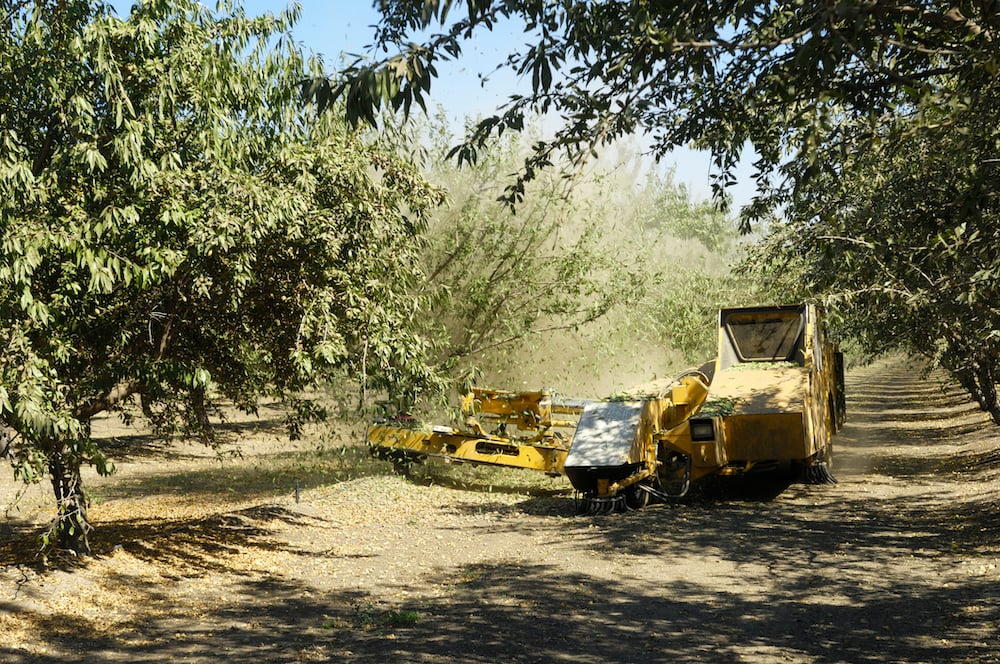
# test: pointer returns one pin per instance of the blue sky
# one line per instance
(334, 27)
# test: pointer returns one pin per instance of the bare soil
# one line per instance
(198, 562)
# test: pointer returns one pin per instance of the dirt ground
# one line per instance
(896, 563)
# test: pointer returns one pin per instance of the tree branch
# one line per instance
(104, 402)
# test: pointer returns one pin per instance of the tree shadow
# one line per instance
(522, 611)
(808, 574)
(192, 543)
(229, 480)
(837, 588)
(20, 541)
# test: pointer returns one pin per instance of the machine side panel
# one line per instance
(765, 437)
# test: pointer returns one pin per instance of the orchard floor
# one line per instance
(898, 562)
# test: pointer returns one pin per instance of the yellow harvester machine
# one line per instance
(773, 395)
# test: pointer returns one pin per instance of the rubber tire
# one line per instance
(636, 498)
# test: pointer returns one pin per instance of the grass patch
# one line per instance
(469, 575)
(402, 618)
(368, 616)
(258, 477)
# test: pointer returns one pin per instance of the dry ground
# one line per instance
(896, 563)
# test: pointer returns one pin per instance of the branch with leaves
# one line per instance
(785, 78)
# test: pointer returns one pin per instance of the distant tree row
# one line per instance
(603, 265)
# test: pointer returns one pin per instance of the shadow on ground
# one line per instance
(829, 602)
(837, 576)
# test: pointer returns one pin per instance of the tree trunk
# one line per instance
(966, 378)
(203, 425)
(986, 376)
(70, 528)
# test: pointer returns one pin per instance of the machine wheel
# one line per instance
(675, 475)
(820, 470)
(636, 497)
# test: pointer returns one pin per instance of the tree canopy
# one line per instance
(902, 240)
(499, 282)
(176, 229)
(781, 78)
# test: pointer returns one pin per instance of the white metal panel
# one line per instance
(604, 434)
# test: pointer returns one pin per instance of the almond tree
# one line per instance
(176, 229)
(901, 241)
